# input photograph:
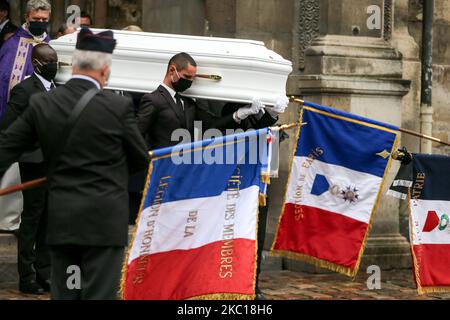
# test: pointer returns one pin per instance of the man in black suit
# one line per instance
(88, 178)
(6, 26)
(165, 110)
(33, 253)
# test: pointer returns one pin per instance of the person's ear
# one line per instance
(35, 65)
(106, 72)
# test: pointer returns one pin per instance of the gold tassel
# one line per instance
(262, 200)
(265, 178)
(130, 245)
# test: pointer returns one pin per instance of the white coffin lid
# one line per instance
(248, 69)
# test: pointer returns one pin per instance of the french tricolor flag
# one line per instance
(196, 233)
(430, 222)
(335, 183)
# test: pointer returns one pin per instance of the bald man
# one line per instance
(33, 253)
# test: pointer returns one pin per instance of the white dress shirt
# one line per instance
(172, 93)
(79, 76)
(47, 84)
(3, 24)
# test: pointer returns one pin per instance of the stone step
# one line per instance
(8, 259)
(7, 239)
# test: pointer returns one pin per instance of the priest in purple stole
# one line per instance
(15, 54)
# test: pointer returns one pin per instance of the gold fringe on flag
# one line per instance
(314, 261)
(428, 290)
(413, 254)
(291, 164)
(130, 244)
(224, 296)
(256, 252)
(375, 207)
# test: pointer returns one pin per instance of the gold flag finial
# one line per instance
(384, 154)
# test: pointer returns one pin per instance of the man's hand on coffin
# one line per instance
(280, 107)
(255, 108)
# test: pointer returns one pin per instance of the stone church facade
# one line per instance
(361, 56)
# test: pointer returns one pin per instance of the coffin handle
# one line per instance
(213, 77)
(64, 64)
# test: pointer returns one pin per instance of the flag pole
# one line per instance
(406, 131)
(23, 186)
(423, 136)
(287, 126)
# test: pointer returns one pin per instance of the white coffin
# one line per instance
(248, 69)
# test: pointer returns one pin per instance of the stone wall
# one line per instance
(441, 65)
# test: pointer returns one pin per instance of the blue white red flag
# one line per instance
(196, 233)
(430, 222)
(335, 183)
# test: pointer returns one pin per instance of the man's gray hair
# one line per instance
(91, 60)
(35, 5)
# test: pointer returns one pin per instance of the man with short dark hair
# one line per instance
(15, 54)
(6, 26)
(85, 20)
(33, 253)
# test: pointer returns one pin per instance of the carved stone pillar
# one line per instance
(346, 64)
(409, 49)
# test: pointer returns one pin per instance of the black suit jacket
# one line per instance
(88, 198)
(8, 28)
(18, 103)
(159, 116)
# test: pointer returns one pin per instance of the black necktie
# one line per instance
(52, 86)
(179, 101)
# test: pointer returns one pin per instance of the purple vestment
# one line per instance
(15, 63)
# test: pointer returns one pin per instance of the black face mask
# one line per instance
(37, 28)
(47, 71)
(182, 84)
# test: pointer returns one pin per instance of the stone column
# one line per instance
(345, 64)
(407, 46)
